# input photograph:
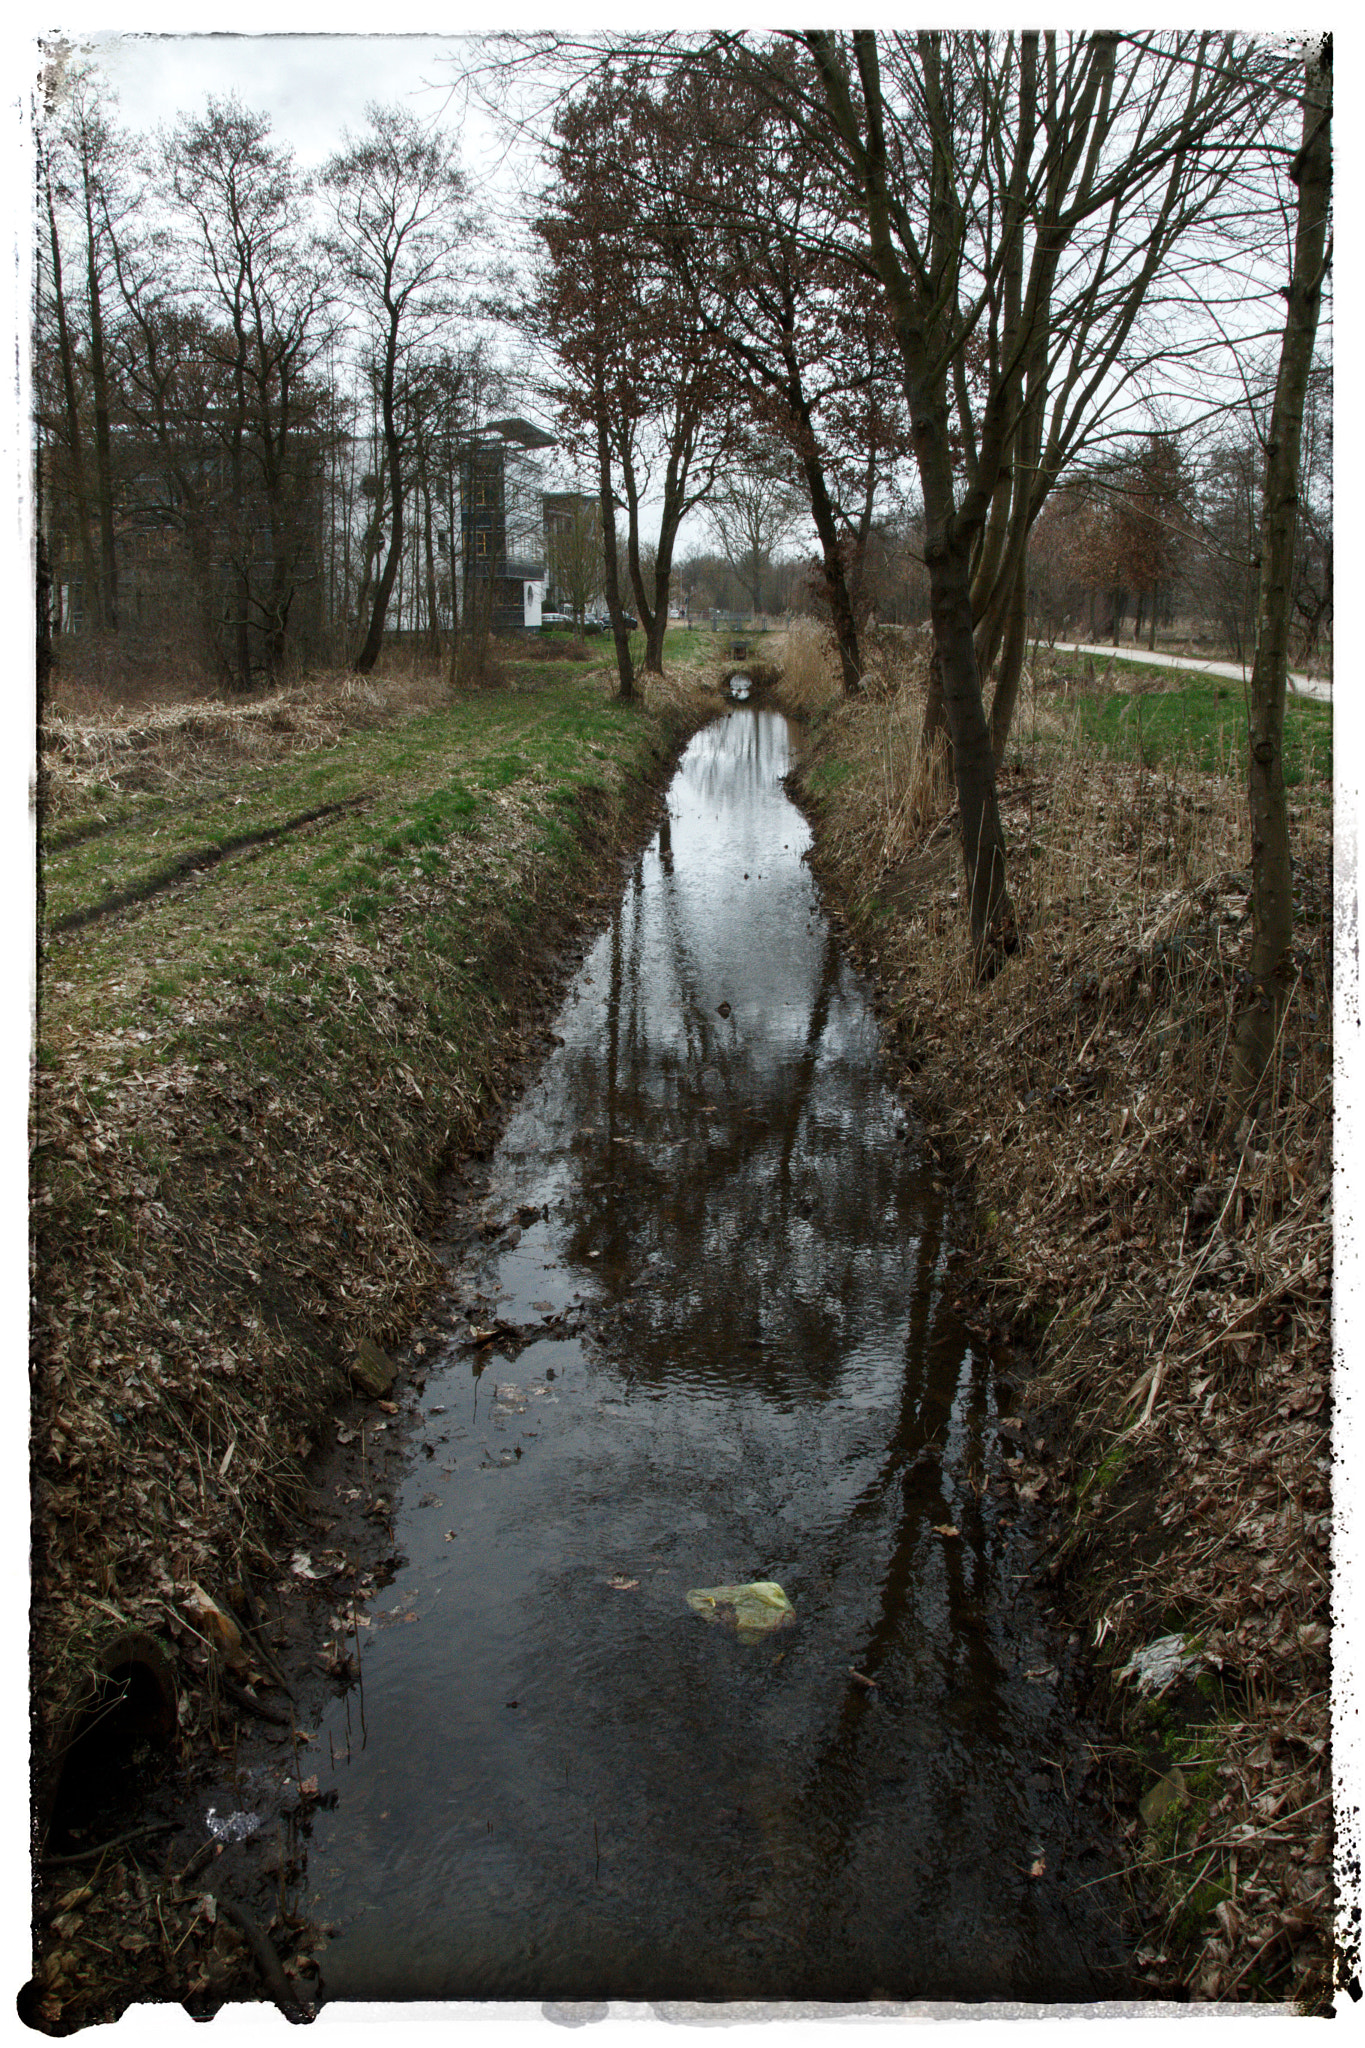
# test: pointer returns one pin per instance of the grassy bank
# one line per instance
(1176, 718)
(1167, 1294)
(290, 950)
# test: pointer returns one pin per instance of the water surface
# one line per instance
(571, 1785)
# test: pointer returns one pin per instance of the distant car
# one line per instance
(599, 622)
(556, 618)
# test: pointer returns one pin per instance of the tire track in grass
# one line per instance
(186, 864)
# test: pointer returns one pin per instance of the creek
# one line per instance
(726, 1350)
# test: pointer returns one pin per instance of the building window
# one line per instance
(481, 543)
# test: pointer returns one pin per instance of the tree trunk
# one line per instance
(983, 838)
(832, 566)
(104, 479)
(1271, 874)
(1006, 696)
(611, 581)
(42, 593)
(374, 638)
(637, 574)
(456, 595)
(429, 543)
(89, 570)
(934, 730)
(675, 483)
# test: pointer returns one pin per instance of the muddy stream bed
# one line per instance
(724, 1349)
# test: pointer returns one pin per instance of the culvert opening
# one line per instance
(117, 1744)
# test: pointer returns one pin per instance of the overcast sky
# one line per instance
(311, 85)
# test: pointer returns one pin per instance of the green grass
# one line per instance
(828, 774)
(1178, 715)
(456, 806)
(415, 787)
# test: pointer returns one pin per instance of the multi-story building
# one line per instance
(502, 517)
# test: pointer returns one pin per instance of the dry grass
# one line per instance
(805, 653)
(94, 743)
(1172, 1287)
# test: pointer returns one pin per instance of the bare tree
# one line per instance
(251, 265)
(401, 226)
(62, 419)
(753, 514)
(1016, 198)
(639, 382)
(83, 159)
(573, 549)
(746, 225)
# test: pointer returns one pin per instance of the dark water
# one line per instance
(571, 1785)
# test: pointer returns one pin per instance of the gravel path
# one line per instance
(1303, 686)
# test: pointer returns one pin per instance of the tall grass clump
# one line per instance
(810, 672)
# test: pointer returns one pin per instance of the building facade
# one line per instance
(502, 518)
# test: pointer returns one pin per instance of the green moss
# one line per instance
(1099, 1477)
(1195, 1908)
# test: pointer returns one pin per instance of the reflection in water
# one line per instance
(573, 1788)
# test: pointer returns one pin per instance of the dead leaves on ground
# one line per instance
(1178, 1292)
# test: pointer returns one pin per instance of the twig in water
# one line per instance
(359, 1667)
(202, 1856)
(290, 2002)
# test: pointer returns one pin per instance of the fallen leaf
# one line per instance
(946, 1529)
(1038, 1866)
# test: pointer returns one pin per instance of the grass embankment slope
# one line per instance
(1165, 1291)
(290, 949)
